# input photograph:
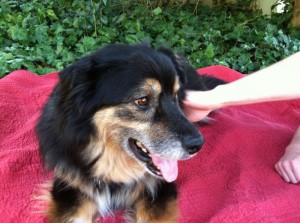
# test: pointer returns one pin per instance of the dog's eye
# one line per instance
(142, 102)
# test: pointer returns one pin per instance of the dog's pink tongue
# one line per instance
(168, 168)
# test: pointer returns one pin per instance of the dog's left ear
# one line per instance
(178, 61)
(79, 81)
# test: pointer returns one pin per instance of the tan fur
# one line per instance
(74, 180)
(52, 213)
(176, 85)
(117, 166)
(152, 86)
(146, 214)
(108, 124)
(86, 212)
(171, 213)
(41, 198)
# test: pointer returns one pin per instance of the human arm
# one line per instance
(280, 81)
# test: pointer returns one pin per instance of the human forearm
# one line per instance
(296, 138)
(280, 81)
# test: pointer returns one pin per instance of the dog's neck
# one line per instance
(148, 180)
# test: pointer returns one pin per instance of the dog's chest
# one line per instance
(113, 197)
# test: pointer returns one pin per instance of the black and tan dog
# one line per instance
(113, 131)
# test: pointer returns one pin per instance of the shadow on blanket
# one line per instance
(232, 179)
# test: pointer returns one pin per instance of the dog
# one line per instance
(113, 131)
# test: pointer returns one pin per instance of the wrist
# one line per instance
(220, 97)
(205, 100)
(293, 148)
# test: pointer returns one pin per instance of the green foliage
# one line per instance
(44, 36)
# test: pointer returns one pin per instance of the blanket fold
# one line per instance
(232, 179)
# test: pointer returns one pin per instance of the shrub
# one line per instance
(44, 36)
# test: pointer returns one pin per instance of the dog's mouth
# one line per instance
(165, 168)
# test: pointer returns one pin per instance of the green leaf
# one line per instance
(121, 18)
(8, 56)
(104, 20)
(58, 29)
(209, 52)
(157, 11)
(88, 44)
(51, 14)
(131, 39)
(41, 34)
(18, 33)
(41, 13)
(138, 25)
(88, 41)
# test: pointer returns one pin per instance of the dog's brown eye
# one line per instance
(142, 102)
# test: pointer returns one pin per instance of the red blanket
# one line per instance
(232, 179)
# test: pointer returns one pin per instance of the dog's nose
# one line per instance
(194, 144)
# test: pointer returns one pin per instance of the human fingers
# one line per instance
(289, 170)
(192, 104)
(295, 166)
(200, 100)
(195, 115)
(282, 172)
(290, 162)
(286, 165)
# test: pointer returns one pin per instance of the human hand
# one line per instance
(198, 104)
(288, 166)
(194, 114)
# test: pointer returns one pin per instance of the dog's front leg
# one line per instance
(161, 208)
(69, 205)
(157, 213)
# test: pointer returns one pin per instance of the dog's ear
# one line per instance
(78, 82)
(184, 70)
(189, 77)
(178, 61)
(75, 74)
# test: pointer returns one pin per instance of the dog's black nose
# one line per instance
(194, 144)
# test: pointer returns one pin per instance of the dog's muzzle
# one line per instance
(162, 167)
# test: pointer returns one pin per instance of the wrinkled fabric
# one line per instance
(231, 179)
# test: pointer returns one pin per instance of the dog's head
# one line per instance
(126, 97)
